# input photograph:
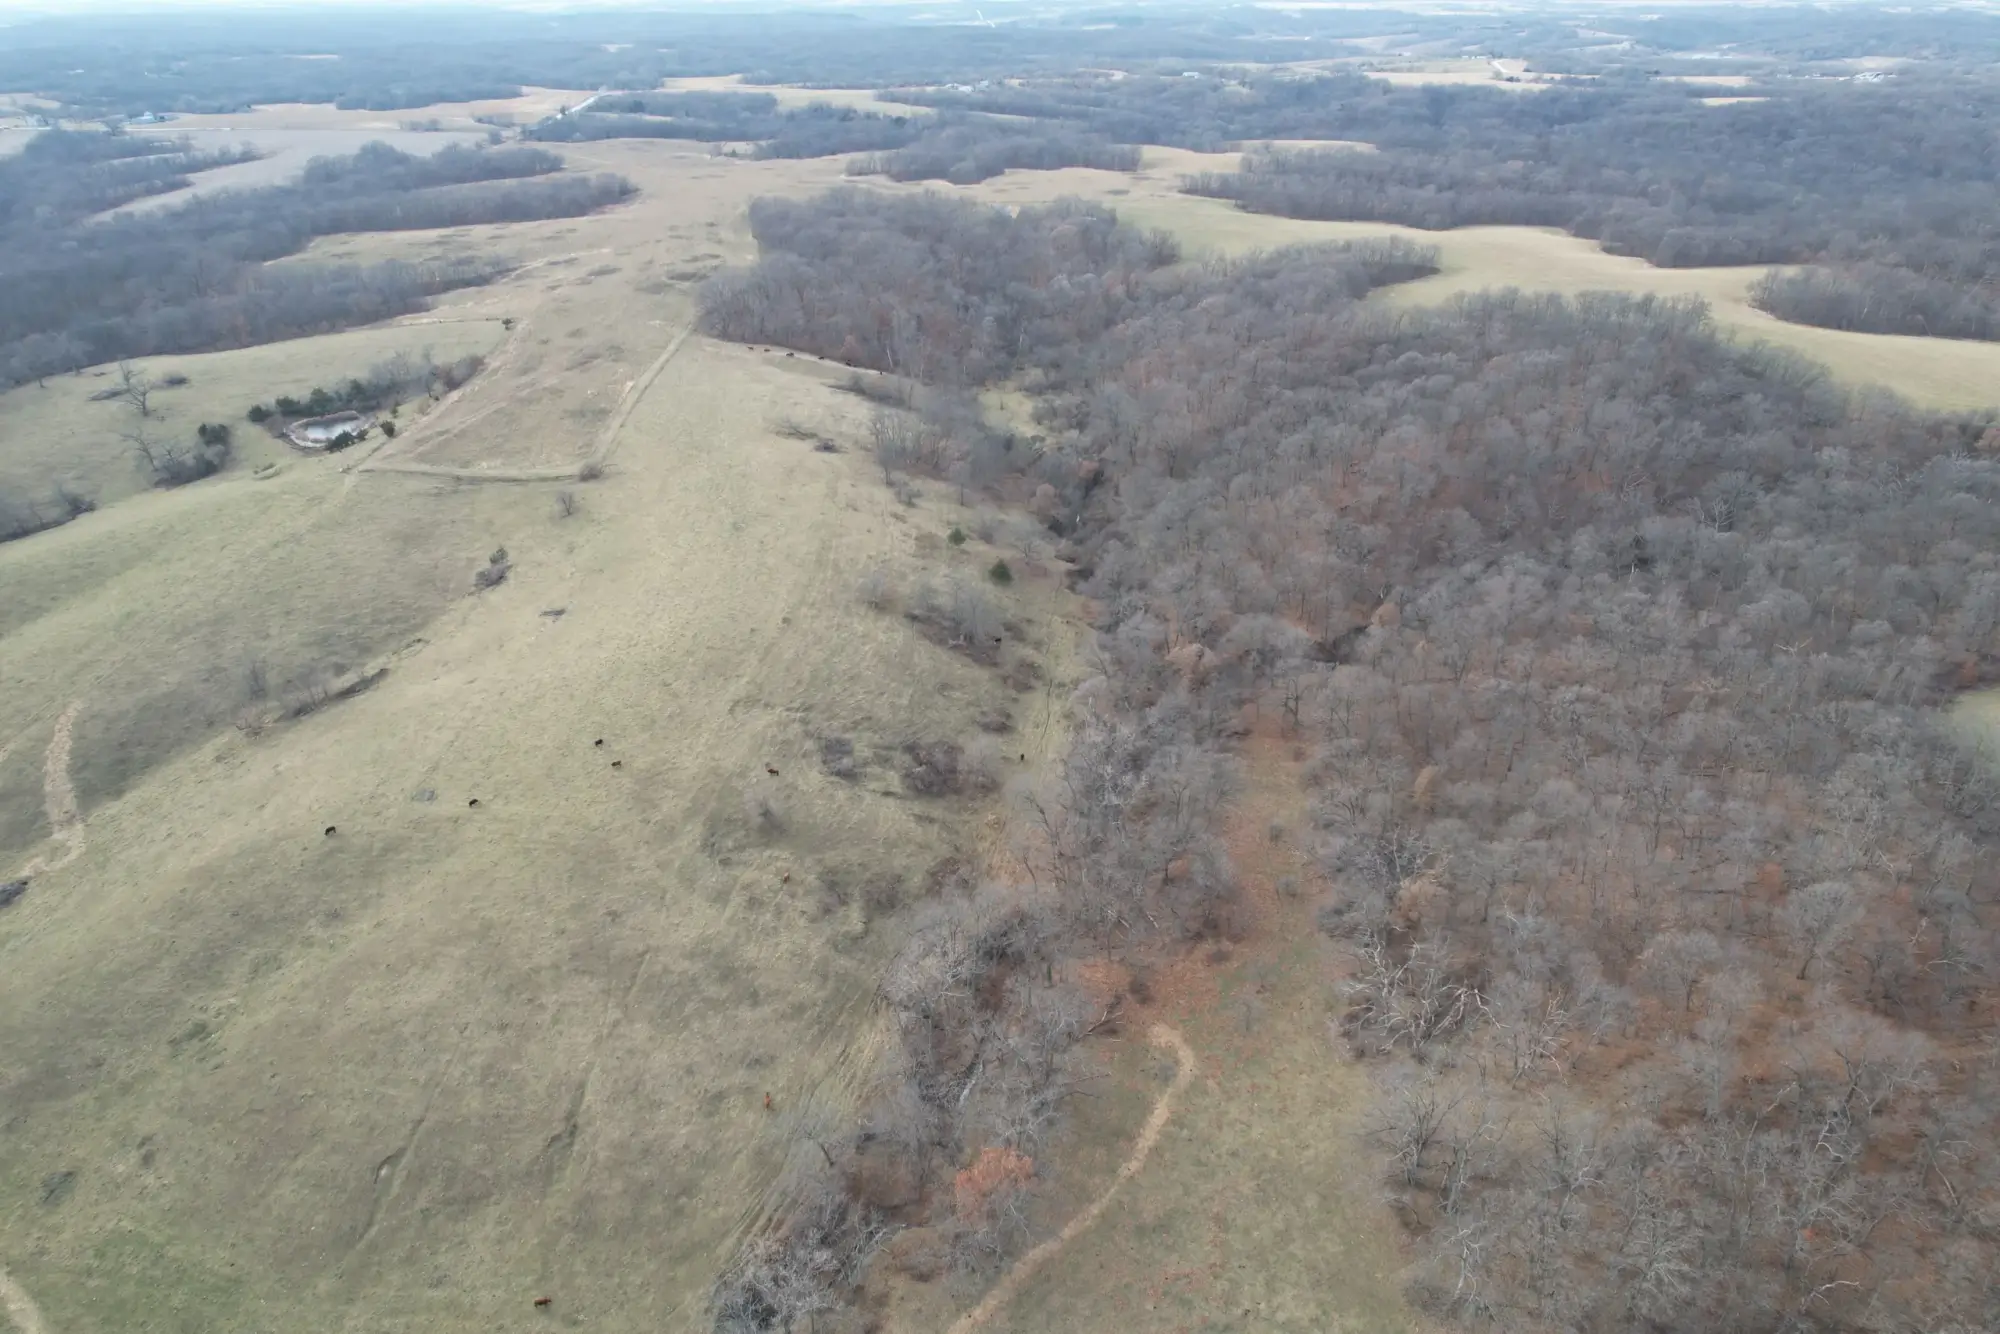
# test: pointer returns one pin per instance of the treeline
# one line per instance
(1872, 298)
(68, 174)
(818, 130)
(196, 277)
(966, 153)
(903, 306)
(1620, 650)
(1895, 175)
(197, 63)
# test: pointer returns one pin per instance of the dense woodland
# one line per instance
(810, 131)
(966, 152)
(1620, 651)
(83, 289)
(1887, 186)
(194, 62)
(953, 147)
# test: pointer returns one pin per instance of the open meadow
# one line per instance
(396, 954)
(424, 1003)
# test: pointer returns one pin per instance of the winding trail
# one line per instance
(1149, 1135)
(20, 1307)
(59, 800)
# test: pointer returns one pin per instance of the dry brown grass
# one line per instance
(451, 1057)
(55, 434)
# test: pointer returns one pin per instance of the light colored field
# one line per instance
(1710, 80)
(410, 1075)
(286, 153)
(55, 434)
(1730, 101)
(13, 138)
(862, 99)
(1511, 75)
(532, 105)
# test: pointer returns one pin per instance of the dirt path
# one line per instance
(20, 1307)
(59, 800)
(607, 439)
(1149, 1135)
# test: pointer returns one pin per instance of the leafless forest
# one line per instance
(194, 278)
(1618, 649)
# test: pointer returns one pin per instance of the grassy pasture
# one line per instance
(448, 1058)
(53, 433)
(413, 1073)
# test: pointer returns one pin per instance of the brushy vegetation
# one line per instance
(24, 516)
(1621, 649)
(385, 385)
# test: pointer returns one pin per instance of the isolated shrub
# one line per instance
(24, 518)
(565, 504)
(764, 810)
(933, 768)
(956, 536)
(389, 429)
(177, 464)
(980, 765)
(1000, 574)
(961, 615)
(877, 589)
(590, 471)
(495, 573)
(258, 414)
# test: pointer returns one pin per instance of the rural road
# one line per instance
(1149, 1135)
